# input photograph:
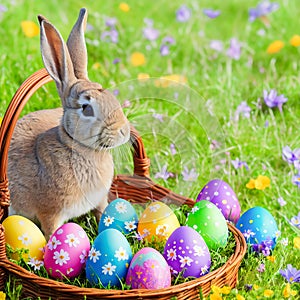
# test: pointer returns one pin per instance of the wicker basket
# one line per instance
(138, 188)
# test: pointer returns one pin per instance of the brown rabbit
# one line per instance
(60, 165)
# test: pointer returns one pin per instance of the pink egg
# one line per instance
(148, 270)
(66, 251)
(221, 194)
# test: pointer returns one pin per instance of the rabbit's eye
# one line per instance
(87, 110)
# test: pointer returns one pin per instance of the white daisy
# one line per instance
(186, 260)
(25, 239)
(194, 209)
(204, 269)
(171, 254)
(54, 243)
(69, 271)
(94, 254)
(108, 220)
(83, 256)
(154, 207)
(72, 240)
(35, 263)
(146, 232)
(199, 251)
(162, 230)
(121, 207)
(130, 225)
(121, 254)
(62, 257)
(108, 268)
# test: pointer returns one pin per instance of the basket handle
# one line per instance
(25, 91)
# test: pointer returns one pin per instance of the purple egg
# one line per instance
(187, 251)
(221, 194)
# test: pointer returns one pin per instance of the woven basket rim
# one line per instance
(141, 175)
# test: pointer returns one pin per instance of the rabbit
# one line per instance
(60, 165)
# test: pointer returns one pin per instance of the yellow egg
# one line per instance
(157, 222)
(21, 233)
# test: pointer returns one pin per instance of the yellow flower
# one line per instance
(143, 76)
(215, 296)
(0, 120)
(137, 59)
(124, 7)
(287, 291)
(29, 28)
(255, 287)
(271, 258)
(268, 293)
(260, 183)
(2, 296)
(239, 297)
(275, 47)
(96, 66)
(168, 80)
(297, 242)
(225, 290)
(295, 40)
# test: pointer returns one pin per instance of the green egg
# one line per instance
(207, 219)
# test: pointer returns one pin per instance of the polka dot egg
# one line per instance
(66, 251)
(187, 252)
(258, 225)
(221, 194)
(207, 220)
(148, 270)
(120, 215)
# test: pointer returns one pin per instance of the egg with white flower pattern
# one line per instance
(221, 194)
(108, 259)
(148, 270)
(207, 220)
(120, 215)
(187, 252)
(258, 225)
(66, 251)
(21, 233)
(157, 221)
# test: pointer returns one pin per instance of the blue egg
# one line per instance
(109, 259)
(120, 215)
(258, 225)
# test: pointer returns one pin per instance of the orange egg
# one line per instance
(21, 233)
(157, 221)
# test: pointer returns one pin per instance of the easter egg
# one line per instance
(21, 233)
(66, 251)
(120, 215)
(207, 220)
(157, 221)
(221, 194)
(108, 259)
(187, 252)
(148, 270)
(258, 225)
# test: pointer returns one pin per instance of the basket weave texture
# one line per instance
(138, 188)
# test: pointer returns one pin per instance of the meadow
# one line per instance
(213, 89)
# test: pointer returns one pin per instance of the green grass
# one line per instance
(215, 84)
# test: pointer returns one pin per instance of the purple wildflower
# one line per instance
(234, 50)
(183, 14)
(126, 104)
(164, 50)
(237, 163)
(163, 174)
(264, 247)
(216, 45)
(261, 268)
(243, 109)
(189, 175)
(158, 117)
(150, 33)
(273, 100)
(262, 9)
(248, 234)
(165, 47)
(2, 8)
(281, 201)
(116, 61)
(116, 92)
(212, 14)
(173, 149)
(295, 221)
(296, 180)
(111, 22)
(168, 40)
(111, 35)
(248, 287)
(290, 156)
(291, 274)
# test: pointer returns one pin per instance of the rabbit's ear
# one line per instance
(56, 57)
(77, 47)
